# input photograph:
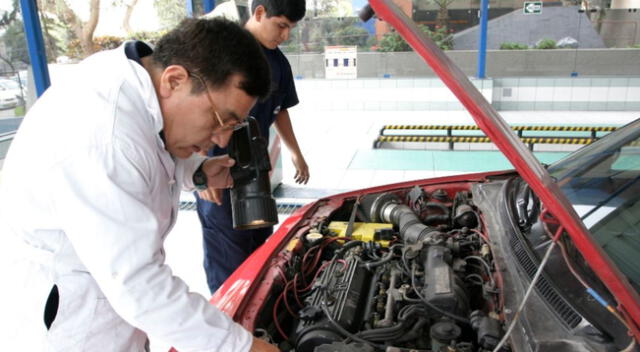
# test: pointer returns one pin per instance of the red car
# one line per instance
(540, 258)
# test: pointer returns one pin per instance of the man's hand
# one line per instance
(217, 170)
(260, 345)
(302, 170)
(213, 195)
(218, 177)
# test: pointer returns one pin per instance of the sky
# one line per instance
(5, 4)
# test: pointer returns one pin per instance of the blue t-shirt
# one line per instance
(283, 95)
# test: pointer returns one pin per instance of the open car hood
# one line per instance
(488, 119)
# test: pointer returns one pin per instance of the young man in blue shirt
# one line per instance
(225, 248)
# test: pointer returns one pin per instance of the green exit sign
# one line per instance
(532, 7)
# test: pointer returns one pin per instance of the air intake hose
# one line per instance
(386, 207)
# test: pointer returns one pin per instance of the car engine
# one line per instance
(399, 271)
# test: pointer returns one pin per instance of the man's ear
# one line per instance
(260, 12)
(173, 79)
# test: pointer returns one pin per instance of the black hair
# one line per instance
(293, 10)
(215, 49)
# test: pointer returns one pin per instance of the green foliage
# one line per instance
(56, 34)
(313, 34)
(106, 42)
(370, 45)
(546, 44)
(16, 43)
(293, 44)
(635, 46)
(170, 12)
(291, 47)
(441, 36)
(74, 49)
(393, 42)
(513, 46)
(9, 17)
(147, 37)
(13, 37)
(350, 35)
(327, 8)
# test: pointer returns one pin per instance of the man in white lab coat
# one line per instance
(90, 189)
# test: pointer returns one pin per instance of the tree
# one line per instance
(392, 41)
(9, 17)
(170, 12)
(147, 37)
(127, 15)
(311, 35)
(13, 38)
(443, 12)
(49, 27)
(16, 43)
(350, 35)
(86, 29)
(324, 8)
(293, 45)
(441, 36)
(75, 27)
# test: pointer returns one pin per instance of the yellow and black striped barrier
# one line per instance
(515, 128)
(593, 130)
(462, 139)
(451, 138)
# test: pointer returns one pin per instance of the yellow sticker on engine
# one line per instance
(292, 245)
(362, 231)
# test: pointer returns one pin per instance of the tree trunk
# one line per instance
(86, 38)
(442, 18)
(127, 16)
(50, 48)
(82, 31)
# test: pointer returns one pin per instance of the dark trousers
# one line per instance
(225, 248)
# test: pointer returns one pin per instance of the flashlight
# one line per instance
(252, 205)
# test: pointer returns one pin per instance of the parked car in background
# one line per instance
(13, 87)
(8, 99)
(23, 82)
(540, 258)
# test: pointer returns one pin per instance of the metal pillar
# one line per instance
(208, 5)
(482, 43)
(35, 43)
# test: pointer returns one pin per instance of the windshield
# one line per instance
(9, 84)
(601, 181)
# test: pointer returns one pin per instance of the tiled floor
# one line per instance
(338, 145)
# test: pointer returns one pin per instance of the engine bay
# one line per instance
(408, 270)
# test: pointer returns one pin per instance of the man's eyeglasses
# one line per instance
(232, 123)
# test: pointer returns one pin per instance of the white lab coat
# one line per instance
(88, 194)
